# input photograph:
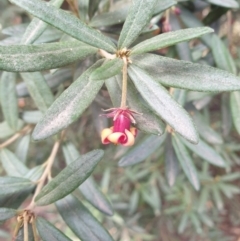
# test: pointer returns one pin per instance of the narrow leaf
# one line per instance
(138, 17)
(37, 27)
(183, 223)
(67, 23)
(11, 185)
(217, 198)
(15, 199)
(186, 162)
(8, 99)
(94, 196)
(110, 18)
(69, 105)
(6, 213)
(11, 164)
(168, 39)
(191, 21)
(21, 150)
(235, 107)
(141, 151)
(48, 232)
(81, 221)
(186, 75)
(205, 131)
(225, 3)
(222, 55)
(163, 5)
(39, 90)
(171, 162)
(69, 178)
(108, 69)
(162, 103)
(89, 189)
(30, 58)
(203, 150)
(6, 130)
(32, 117)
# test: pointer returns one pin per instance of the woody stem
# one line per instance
(124, 83)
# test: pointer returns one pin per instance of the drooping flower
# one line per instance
(121, 132)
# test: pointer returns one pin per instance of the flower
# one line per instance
(121, 132)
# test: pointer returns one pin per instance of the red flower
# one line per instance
(121, 132)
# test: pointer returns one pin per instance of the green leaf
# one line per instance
(133, 202)
(93, 7)
(83, 6)
(30, 58)
(37, 27)
(152, 197)
(186, 75)
(235, 107)
(230, 177)
(81, 221)
(39, 90)
(196, 222)
(94, 196)
(182, 49)
(138, 17)
(67, 23)
(162, 103)
(120, 14)
(141, 151)
(214, 15)
(222, 55)
(147, 121)
(171, 162)
(8, 99)
(203, 150)
(163, 5)
(32, 117)
(11, 185)
(7, 213)
(110, 18)
(14, 200)
(225, 3)
(11, 164)
(35, 173)
(108, 69)
(89, 189)
(183, 223)
(205, 131)
(203, 199)
(21, 150)
(170, 38)
(186, 162)
(217, 198)
(191, 21)
(229, 190)
(69, 105)
(48, 232)
(6, 130)
(69, 178)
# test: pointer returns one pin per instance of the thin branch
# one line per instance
(47, 172)
(22, 132)
(124, 83)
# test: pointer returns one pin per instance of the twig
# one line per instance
(47, 172)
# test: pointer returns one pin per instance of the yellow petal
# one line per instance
(133, 130)
(130, 138)
(114, 137)
(104, 135)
